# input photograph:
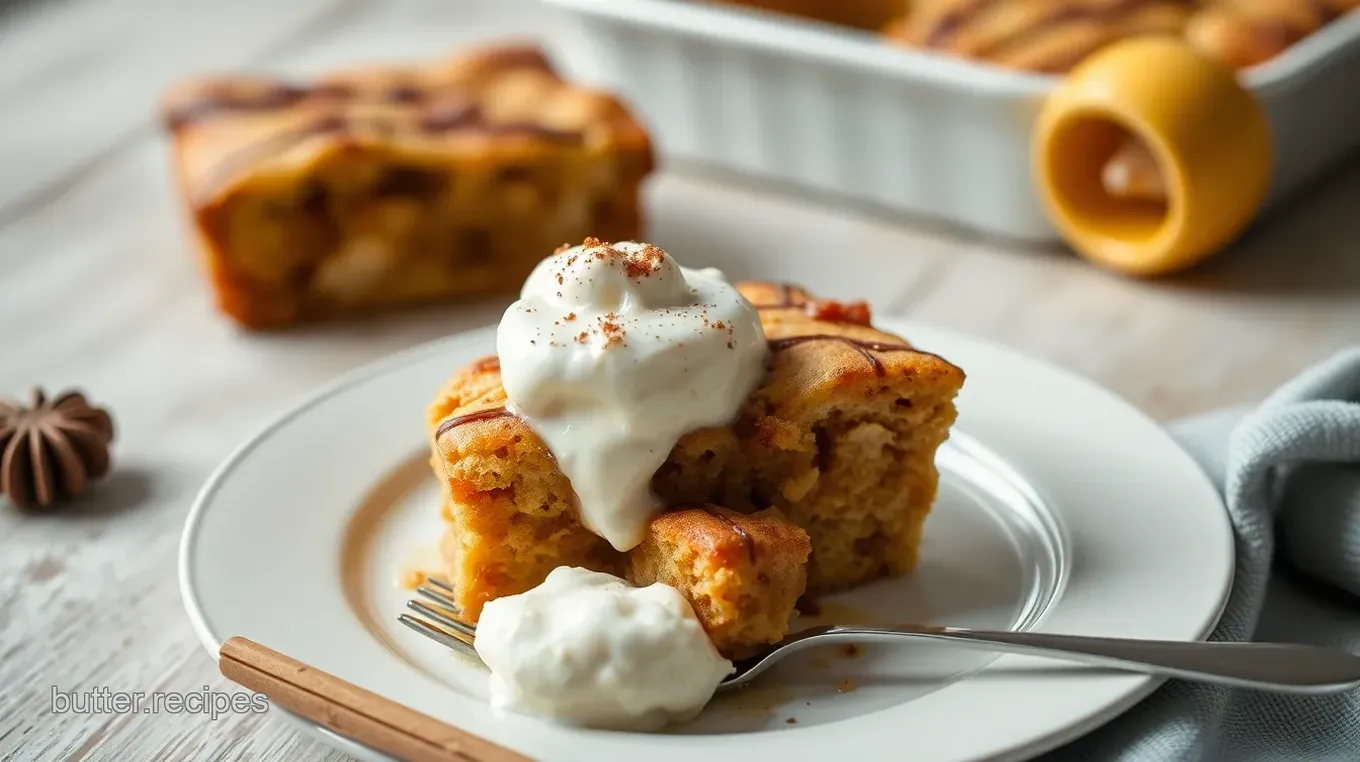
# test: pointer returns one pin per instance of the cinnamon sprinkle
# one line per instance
(613, 332)
(643, 263)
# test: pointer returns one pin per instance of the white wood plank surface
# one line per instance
(99, 289)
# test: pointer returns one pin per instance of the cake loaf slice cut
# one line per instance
(840, 438)
(396, 185)
(742, 574)
(510, 514)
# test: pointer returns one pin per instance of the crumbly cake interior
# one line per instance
(840, 439)
(742, 574)
(859, 478)
(511, 514)
(378, 229)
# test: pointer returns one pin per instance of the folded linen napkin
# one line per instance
(1289, 472)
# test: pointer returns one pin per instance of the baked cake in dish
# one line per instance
(397, 185)
(1049, 37)
(861, 14)
(741, 573)
(839, 439)
(1054, 36)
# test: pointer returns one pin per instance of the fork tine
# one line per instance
(441, 584)
(434, 633)
(438, 597)
(461, 627)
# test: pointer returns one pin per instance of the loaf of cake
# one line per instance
(839, 439)
(390, 186)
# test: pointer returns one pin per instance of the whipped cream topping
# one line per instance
(586, 648)
(614, 352)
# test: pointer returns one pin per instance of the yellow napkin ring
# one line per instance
(1156, 97)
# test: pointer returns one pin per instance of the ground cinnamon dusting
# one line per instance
(644, 262)
(613, 332)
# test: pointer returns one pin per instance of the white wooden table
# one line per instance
(99, 290)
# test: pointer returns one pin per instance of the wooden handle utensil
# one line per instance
(351, 711)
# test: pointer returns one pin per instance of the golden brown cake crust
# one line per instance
(399, 184)
(1053, 37)
(861, 14)
(742, 574)
(840, 439)
(1042, 37)
(1243, 33)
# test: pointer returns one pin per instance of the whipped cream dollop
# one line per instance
(587, 648)
(612, 353)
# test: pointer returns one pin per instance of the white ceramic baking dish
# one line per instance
(836, 110)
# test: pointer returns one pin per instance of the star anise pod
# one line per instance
(52, 450)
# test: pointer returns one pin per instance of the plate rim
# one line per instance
(1140, 686)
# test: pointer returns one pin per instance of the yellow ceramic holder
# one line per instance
(1208, 135)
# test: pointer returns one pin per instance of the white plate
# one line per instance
(1061, 509)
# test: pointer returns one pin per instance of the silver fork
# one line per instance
(1280, 667)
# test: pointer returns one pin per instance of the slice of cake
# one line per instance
(397, 185)
(742, 574)
(510, 514)
(840, 438)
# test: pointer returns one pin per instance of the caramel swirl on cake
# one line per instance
(1049, 37)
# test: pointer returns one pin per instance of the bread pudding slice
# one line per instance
(742, 574)
(397, 185)
(510, 515)
(840, 438)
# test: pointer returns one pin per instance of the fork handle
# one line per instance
(1282, 667)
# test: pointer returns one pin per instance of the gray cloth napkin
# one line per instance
(1289, 472)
